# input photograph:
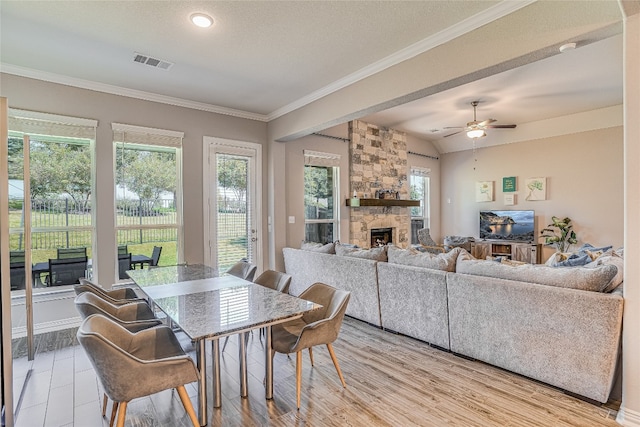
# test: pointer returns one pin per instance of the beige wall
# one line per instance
(584, 182)
(53, 98)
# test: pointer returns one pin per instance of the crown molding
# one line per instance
(472, 23)
(131, 93)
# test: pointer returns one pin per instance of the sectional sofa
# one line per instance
(561, 326)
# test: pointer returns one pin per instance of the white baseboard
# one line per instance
(628, 418)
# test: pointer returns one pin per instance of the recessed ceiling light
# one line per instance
(202, 20)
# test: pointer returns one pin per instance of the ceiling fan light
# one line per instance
(476, 133)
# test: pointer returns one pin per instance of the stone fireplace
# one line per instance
(378, 163)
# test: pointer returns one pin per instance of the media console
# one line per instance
(517, 251)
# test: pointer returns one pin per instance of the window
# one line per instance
(321, 198)
(419, 182)
(50, 158)
(148, 191)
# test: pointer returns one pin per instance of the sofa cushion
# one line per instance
(376, 254)
(318, 247)
(595, 279)
(443, 261)
(583, 256)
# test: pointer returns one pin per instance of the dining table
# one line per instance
(206, 306)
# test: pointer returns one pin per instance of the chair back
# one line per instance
(155, 255)
(123, 250)
(334, 304)
(66, 253)
(134, 365)
(109, 295)
(244, 270)
(17, 275)
(67, 271)
(425, 238)
(16, 257)
(88, 303)
(275, 280)
(124, 264)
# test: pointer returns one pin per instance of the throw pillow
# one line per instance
(318, 247)
(443, 261)
(376, 254)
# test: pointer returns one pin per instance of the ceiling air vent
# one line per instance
(152, 62)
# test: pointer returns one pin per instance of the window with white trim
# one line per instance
(321, 196)
(148, 192)
(419, 189)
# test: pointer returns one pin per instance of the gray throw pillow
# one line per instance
(318, 247)
(443, 261)
(376, 254)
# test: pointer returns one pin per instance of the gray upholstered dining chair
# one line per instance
(314, 328)
(275, 280)
(114, 296)
(243, 269)
(134, 316)
(132, 365)
(271, 279)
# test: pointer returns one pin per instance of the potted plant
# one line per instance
(559, 234)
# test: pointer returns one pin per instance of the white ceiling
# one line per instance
(264, 58)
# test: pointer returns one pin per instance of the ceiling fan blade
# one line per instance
(500, 126)
(451, 134)
(486, 122)
(453, 127)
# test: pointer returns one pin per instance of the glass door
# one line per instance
(234, 204)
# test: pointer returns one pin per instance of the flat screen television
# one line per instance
(518, 226)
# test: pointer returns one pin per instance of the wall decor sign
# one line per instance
(509, 199)
(484, 191)
(536, 189)
(508, 184)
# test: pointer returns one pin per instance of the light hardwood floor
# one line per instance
(392, 380)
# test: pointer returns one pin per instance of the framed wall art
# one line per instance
(484, 191)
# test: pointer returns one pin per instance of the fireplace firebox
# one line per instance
(381, 236)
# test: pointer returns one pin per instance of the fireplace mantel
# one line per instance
(385, 202)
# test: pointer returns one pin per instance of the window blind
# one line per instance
(35, 123)
(148, 136)
(318, 158)
(423, 172)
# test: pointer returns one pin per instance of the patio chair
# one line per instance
(123, 250)
(124, 264)
(65, 253)
(16, 257)
(66, 271)
(17, 276)
(155, 256)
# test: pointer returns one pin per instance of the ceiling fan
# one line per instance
(476, 129)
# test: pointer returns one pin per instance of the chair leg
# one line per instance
(114, 409)
(298, 377)
(311, 355)
(104, 404)
(335, 363)
(186, 402)
(122, 412)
